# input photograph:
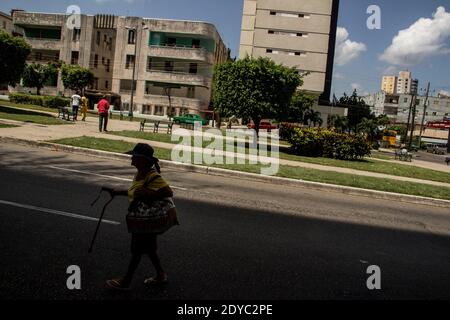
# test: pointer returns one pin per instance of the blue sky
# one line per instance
(359, 66)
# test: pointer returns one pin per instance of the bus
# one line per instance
(390, 136)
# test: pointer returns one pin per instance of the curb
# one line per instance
(243, 175)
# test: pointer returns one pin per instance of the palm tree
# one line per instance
(339, 123)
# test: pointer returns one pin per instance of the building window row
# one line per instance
(287, 33)
(290, 14)
(286, 52)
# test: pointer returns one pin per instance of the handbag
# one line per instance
(153, 217)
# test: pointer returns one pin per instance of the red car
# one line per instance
(263, 125)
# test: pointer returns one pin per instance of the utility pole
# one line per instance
(413, 124)
(424, 113)
(413, 100)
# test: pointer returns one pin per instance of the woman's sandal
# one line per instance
(156, 281)
(117, 284)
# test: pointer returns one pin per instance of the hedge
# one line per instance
(44, 101)
(329, 144)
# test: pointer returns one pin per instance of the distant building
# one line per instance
(174, 59)
(396, 106)
(300, 34)
(403, 84)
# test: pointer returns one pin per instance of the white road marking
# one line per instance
(56, 212)
(103, 176)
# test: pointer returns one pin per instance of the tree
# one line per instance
(38, 75)
(357, 109)
(339, 123)
(301, 102)
(312, 117)
(76, 78)
(255, 89)
(13, 54)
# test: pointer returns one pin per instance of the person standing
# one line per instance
(84, 107)
(103, 109)
(75, 106)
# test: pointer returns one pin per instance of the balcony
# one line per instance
(178, 78)
(44, 43)
(187, 53)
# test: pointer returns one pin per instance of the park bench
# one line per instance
(402, 156)
(156, 125)
(65, 113)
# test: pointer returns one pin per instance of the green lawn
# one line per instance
(369, 164)
(29, 116)
(285, 171)
(4, 125)
(27, 106)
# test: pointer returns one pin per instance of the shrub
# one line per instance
(330, 144)
(43, 101)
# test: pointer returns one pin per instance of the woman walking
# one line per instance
(147, 192)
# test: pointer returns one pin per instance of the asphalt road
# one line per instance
(238, 239)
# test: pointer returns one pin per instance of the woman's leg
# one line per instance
(153, 254)
(134, 263)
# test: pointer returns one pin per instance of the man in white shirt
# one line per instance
(75, 105)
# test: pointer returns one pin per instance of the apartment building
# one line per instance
(397, 106)
(300, 34)
(6, 23)
(401, 84)
(172, 61)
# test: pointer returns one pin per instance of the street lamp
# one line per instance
(135, 29)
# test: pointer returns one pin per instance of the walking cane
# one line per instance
(101, 216)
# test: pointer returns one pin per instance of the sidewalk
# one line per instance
(36, 132)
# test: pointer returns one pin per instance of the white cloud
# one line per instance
(423, 39)
(106, 1)
(391, 71)
(347, 50)
(356, 86)
(338, 75)
(444, 93)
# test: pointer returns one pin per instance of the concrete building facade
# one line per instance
(389, 84)
(6, 23)
(300, 34)
(173, 60)
(397, 106)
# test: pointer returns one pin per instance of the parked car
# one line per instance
(437, 148)
(190, 119)
(263, 125)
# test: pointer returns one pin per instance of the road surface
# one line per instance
(238, 239)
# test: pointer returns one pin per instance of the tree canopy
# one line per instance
(38, 75)
(254, 89)
(76, 78)
(13, 54)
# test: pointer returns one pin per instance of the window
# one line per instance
(195, 43)
(159, 111)
(96, 83)
(268, 50)
(96, 61)
(146, 109)
(191, 93)
(105, 40)
(110, 43)
(129, 62)
(149, 63)
(74, 57)
(271, 32)
(103, 60)
(131, 37)
(168, 66)
(108, 63)
(273, 13)
(106, 84)
(4, 24)
(38, 56)
(127, 85)
(171, 42)
(98, 37)
(405, 100)
(193, 67)
(436, 102)
(76, 34)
